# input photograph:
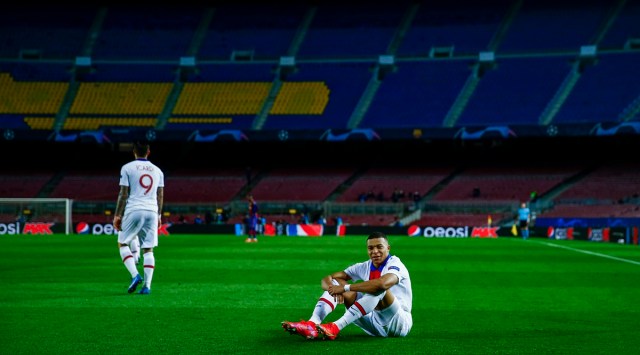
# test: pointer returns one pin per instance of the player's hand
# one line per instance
(339, 299)
(117, 223)
(335, 290)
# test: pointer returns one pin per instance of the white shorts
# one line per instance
(392, 321)
(143, 224)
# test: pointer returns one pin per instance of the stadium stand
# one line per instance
(458, 219)
(204, 187)
(348, 29)
(593, 100)
(624, 29)
(46, 31)
(87, 186)
(417, 94)
(466, 27)
(567, 26)
(299, 184)
(386, 181)
(245, 33)
(611, 183)
(528, 83)
(164, 32)
(579, 210)
(22, 184)
(494, 183)
(136, 80)
(344, 82)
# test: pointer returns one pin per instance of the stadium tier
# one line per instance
(87, 186)
(503, 184)
(44, 31)
(162, 32)
(567, 25)
(203, 189)
(348, 29)
(393, 185)
(459, 219)
(417, 94)
(23, 184)
(463, 27)
(593, 99)
(221, 66)
(515, 90)
(609, 184)
(578, 210)
(259, 31)
(422, 81)
(299, 184)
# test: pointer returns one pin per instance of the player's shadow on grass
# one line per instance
(278, 337)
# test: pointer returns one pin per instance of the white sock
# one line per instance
(149, 266)
(135, 249)
(363, 306)
(127, 259)
(326, 304)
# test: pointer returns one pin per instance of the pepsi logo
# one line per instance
(82, 228)
(413, 231)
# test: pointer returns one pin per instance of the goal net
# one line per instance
(35, 215)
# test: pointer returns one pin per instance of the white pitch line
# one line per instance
(592, 253)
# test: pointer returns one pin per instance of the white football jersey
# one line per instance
(401, 290)
(143, 179)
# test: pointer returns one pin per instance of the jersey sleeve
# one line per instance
(161, 179)
(124, 179)
(396, 267)
(357, 271)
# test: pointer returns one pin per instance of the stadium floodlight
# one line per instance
(35, 215)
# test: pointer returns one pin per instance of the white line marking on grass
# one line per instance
(592, 253)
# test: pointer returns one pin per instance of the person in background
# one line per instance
(252, 221)
(524, 218)
(380, 304)
(138, 213)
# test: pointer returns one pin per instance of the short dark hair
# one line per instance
(141, 148)
(376, 235)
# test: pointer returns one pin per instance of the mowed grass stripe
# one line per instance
(216, 294)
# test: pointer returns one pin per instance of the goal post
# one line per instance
(35, 215)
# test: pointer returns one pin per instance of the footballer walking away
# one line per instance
(138, 212)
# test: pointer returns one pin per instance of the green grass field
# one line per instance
(217, 295)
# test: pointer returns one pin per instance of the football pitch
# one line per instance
(214, 294)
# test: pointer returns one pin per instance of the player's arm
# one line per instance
(123, 195)
(384, 283)
(339, 275)
(160, 198)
